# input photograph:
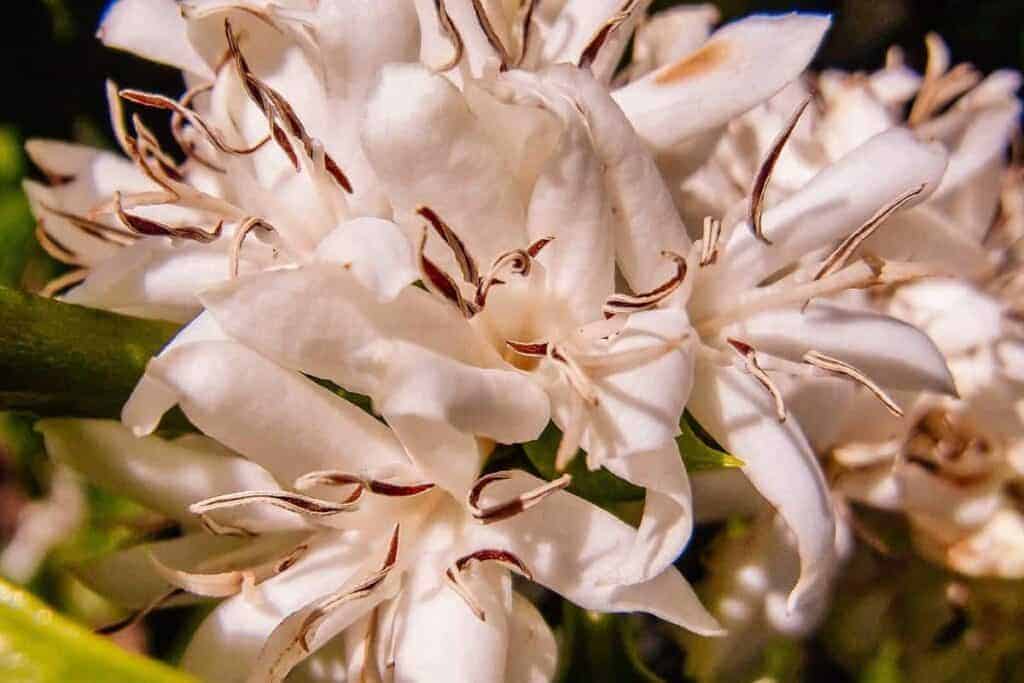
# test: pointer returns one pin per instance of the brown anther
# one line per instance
(442, 284)
(151, 228)
(842, 253)
(530, 349)
(310, 624)
(453, 574)
(753, 367)
(62, 282)
(285, 500)
(93, 228)
(381, 488)
(492, 35)
(538, 246)
(764, 173)
(54, 248)
(601, 36)
(247, 226)
(470, 272)
(633, 303)
(526, 8)
(834, 365)
(710, 237)
(444, 20)
(495, 513)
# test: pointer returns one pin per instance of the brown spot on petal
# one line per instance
(707, 59)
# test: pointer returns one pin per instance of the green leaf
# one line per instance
(885, 667)
(600, 648)
(62, 359)
(603, 487)
(39, 646)
(696, 451)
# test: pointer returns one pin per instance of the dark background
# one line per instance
(56, 67)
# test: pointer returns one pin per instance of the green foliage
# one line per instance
(67, 360)
(602, 486)
(885, 667)
(600, 648)
(38, 646)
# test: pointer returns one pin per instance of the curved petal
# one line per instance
(435, 618)
(273, 416)
(153, 29)
(573, 547)
(579, 22)
(832, 205)
(428, 169)
(646, 220)
(375, 251)
(738, 413)
(671, 34)
(162, 475)
(941, 307)
(667, 520)
(743, 64)
(891, 352)
(532, 648)
(226, 646)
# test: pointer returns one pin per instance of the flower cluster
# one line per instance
(464, 212)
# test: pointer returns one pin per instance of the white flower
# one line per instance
(351, 538)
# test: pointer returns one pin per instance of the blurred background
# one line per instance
(55, 75)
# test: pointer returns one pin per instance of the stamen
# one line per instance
(151, 228)
(820, 360)
(117, 119)
(502, 557)
(841, 254)
(187, 115)
(749, 355)
(510, 508)
(529, 349)
(527, 8)
(858, 275)
(55, 249)
(470, 272)
(445, 21)
(632, 303)
(274, 106)
(285, 500)
(226, 584)
(492, 35)
(569, 446)
(941, 85)
(538, 246)
(309, 626)
(574, 373)
(712, 233)
(95, 229)
(764, 174)
(59, 284)
(600, 38)
(235, 254)
(381, 488)
(442, 284)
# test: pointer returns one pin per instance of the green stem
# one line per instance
(68, 360)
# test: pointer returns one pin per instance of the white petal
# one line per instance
(162, 475)
(943, 307)
(227, 644)
(743, 64)
(153, 29)
(837, 201)
(427, 169)
(440, 639)
(738, 413)
(670, 35)
(892, 353)
(273, 416)
(572, 547)
(532, 651)
(577, 25)
(986, 138)
(667, 520)
(647, 220)
(375, 251)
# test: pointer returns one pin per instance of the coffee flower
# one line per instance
(326, 535)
